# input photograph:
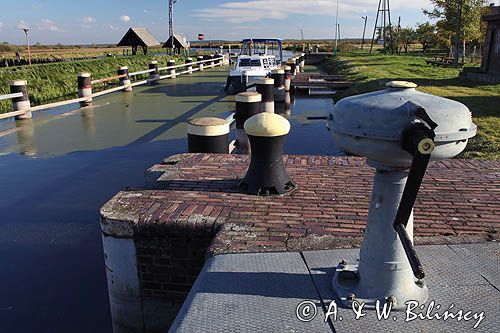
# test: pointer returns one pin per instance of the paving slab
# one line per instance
(250, 293)
(452, 280)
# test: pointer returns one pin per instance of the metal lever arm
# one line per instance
(418, 141)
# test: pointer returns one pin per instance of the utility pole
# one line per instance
(336, 28)
(458, 37)
(171, 4)
(365, 18)
(26, 32)
(302, 37)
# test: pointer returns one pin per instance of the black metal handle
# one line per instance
(418, 140)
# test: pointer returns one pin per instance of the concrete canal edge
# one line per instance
(156, 240)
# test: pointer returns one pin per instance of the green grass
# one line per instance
(371, 73)
(57, 81)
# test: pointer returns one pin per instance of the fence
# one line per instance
(21, 108)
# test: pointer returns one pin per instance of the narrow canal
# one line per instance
(60, 167)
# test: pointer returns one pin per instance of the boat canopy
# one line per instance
(263, 46)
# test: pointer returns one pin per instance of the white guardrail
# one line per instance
(125, 84)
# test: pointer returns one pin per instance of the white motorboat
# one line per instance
(258, 58)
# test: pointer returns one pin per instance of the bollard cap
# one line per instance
(171, 61)
(401, 84)
(248, 97)
(123, 67)
(278, 71)
(18, 83)
(154, 62)
(83, 74)
(267, 81)
(267, 125)
(189, 59)
(287, 68)
(208, 126)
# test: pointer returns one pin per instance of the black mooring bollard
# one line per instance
(208, 135)
(266, 174)
(279, 85)
(247, 105)
(288, 77)
(265, 87)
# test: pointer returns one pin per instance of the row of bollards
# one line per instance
(270, 93)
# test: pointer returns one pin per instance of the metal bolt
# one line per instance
(343, 262)
(392, 299)
(351, 297)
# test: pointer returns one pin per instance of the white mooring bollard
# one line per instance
(171, 71)
(154, 77)
(125, 81)
(21, 103)
(85, 88)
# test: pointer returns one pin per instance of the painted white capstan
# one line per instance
(397, 129)
(371, 124)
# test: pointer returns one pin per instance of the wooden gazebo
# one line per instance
(176, 42)
(136, 37)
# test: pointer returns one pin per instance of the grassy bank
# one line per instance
(57, 81)
(371, 73)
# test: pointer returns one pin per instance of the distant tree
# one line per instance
(406, 37)
(426, 35)
(446, 13)
(5, 43)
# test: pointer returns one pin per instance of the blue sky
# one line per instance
(105, 21)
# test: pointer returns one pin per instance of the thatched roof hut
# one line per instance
(176, 42)
(136, 37)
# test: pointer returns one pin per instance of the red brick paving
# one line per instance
(197, 194)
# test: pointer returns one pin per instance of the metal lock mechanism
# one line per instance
(399, 130)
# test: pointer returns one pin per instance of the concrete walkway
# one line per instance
(260, 292)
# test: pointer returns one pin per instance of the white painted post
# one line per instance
(21, 103)
(189, 66)
(201, 66)
(85, 88)
(154, 77)
(125, 81)
(171, 71)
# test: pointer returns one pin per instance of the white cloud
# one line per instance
(87, 22)
(125, 18)
(111, 27)
(48, 25)
(257, 10)
(1, 26)
(21, 24)
(88, 19)
(146, 11)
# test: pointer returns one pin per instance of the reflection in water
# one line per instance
(88, 121)
(285, 109)
(82, 160)
(26, 137)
